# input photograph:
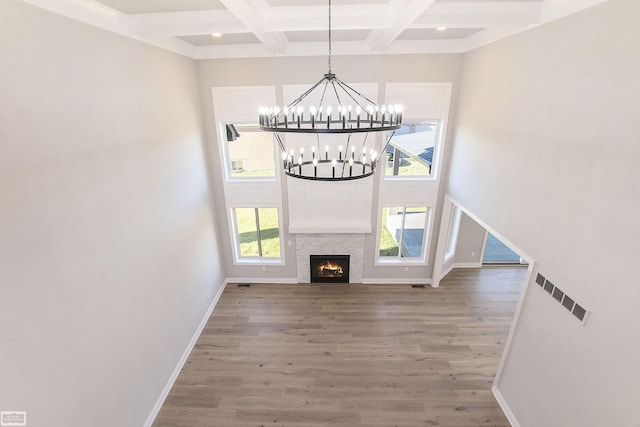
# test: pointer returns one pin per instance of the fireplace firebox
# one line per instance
(329, 268)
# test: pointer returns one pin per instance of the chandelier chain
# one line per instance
(329, 36)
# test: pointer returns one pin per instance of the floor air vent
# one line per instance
(418, 286)
(243, 285)
(567, 302)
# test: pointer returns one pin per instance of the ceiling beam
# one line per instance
(88, 11)
(479, 15)
(184, 23)
(344, 17)
(405, 12)
(250, 15)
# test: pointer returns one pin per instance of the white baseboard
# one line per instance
(174, 375)
(396, 281)
(446, 271)
(505, 407)
(467, 265)
(460, 265)
(260, 280)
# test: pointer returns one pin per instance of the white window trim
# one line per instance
(452, 235)
(238, 259)
(437, 148)
(226, 159)
(424, 111)
(396, 261)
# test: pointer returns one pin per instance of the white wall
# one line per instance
(546, 153)
(470, 243)
(280, 72)
(108, 253)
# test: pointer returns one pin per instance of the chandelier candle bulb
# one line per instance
(368, 118)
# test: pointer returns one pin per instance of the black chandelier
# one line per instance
(353, 116)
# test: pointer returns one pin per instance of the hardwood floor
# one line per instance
(350, 355)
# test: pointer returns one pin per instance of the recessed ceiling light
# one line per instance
(441, 28)
(216, 34)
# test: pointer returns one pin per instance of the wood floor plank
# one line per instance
(350, 355)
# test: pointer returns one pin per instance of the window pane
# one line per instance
(413, 235)
(247, 231)
(251, 153)
(402, 232)
(269, 232)
(452, 237)
(390, 230)
(411, 150)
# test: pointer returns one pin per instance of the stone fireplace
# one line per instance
(308, 244)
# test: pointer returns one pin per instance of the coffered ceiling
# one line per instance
(259, 28)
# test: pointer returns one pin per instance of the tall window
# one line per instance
(411, 151)
(402, 232)
(257, 232)
(249, 152)
(452, 236)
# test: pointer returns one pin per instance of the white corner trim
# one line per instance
(458, 265)
(467, 264)
(185, 355)
(445, 272)
(505, 408)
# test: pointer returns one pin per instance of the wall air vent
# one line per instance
(574, 308)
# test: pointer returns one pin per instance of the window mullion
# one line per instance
(258, 233)
(404, 216)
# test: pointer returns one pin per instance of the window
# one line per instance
(452, 237)
(402, 232)
(257, 232)
(411, 151)
(249, 152)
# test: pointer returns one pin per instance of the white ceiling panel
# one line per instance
(434, 34)
(287, 3)
(225, 39)
(323, 36)
(489, 1)
(133, 7)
